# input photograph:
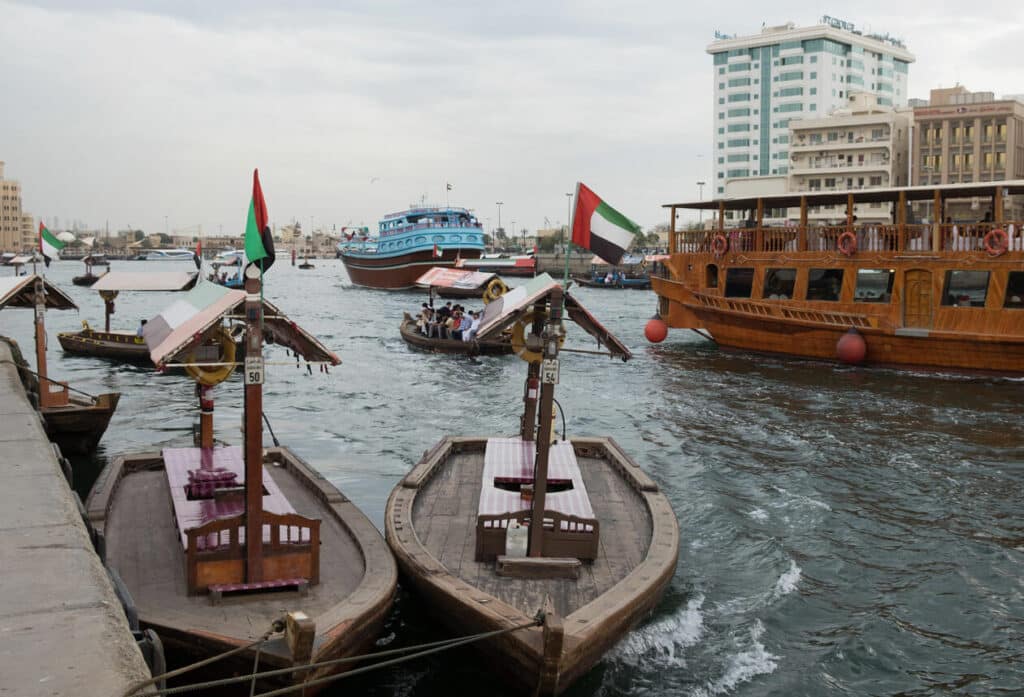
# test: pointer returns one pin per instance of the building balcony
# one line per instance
(840, 169)
(826, 145)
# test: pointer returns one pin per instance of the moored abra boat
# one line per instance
(89, 277)
(409, 242)
(602, 539)
(939, 295)
(74, 420)
(177, 522)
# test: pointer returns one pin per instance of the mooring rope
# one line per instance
(47, 379)
(412, 653)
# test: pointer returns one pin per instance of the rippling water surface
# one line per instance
(843, 531)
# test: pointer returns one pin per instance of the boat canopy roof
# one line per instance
(518, 302)
(181, 326)
(440, 277)
(145, 280)
(23, 259)
(20, 291)
(880, 195)
(627, 260)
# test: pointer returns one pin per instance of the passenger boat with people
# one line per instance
(560, 544)
(408, 242)
(631, 273)
(923, 291)
(240, 548)
(74, 420)
(124, 345)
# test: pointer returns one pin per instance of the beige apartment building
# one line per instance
(861, 146)
(17, 228)
(962, 136)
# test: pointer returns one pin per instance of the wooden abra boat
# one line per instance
(937, 295)
(602, 539)
(631, 273)
(74, 420)
(498, 347)
(187, 527)
(89, 277)
(127, 346)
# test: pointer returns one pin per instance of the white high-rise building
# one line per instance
(765, 80)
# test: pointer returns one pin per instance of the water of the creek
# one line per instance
(843, 531)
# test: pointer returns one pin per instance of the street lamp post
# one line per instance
(700, 197)
(165, 225)
(499, 204)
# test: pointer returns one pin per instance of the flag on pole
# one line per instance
(259, 243)
(437, 252)
(599, 227)
(197, 256)
(49, 245)
(449, 186)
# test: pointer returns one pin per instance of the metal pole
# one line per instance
(499, 204)
(547, 396)
(567, 240)
(700, 197)
(253, 424)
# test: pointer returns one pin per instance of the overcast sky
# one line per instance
(128, 112)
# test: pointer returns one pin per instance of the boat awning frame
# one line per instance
(463, 279)
(510, 308)
(146, 281)
(20, 291)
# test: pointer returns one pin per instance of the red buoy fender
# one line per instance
(656, 330)
(996, 242)
(719, 245)
(851, 347)
(848, 243)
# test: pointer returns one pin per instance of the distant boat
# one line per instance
(409, 242)
(170, 255)
(523, 265)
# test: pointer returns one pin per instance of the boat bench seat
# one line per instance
(571, 528)
(219, 590)
(191, 470)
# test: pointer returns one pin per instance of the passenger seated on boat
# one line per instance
(452, 326)
(142, 325)
(474, 326)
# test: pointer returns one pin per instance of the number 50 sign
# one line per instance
(254, 370)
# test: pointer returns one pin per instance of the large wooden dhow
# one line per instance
(74, 420)
(935, 295)
(121, 345)
(214, 543)
(602, 539)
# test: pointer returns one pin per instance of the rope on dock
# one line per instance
(47, 379)
(276, 627)
(412, 653)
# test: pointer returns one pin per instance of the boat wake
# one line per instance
(661, 643)
(742, 667)
(788, 580)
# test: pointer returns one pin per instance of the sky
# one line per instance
(153, 114)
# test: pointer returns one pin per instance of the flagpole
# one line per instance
(568, 241)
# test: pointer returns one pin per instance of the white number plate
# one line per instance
(254, 370)
(549, 371)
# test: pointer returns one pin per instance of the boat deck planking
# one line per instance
(151, 560)
(445, 514)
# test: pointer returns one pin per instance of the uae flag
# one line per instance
(259, 243)
(49, 245)
(599, 227)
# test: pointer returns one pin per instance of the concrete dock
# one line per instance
(62, 629)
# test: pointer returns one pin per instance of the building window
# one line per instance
(874, 285)
(711, 276)
(824, 284)
(778, 284)
(965, 289)
(739, 282)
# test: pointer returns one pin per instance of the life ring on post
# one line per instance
(213, 375)
(719, 245)
(495, 289)
(996, 242)
(522, 329)
(847, 243)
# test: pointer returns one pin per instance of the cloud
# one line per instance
(128, 111)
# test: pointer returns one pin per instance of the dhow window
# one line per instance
(739, 282)
(965, 289)
(824, 284)
(874, 285)
(1015, 290)
(778, 284)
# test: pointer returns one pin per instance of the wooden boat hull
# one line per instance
(79, 426)
(86, 280)
(468, 348)
(589, 630)
(399, 272)
(130, 506)
(121, 346)
(628, 284)
(766, 327)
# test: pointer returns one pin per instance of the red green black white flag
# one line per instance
(599, 227)
(259, 242)
(49, 245)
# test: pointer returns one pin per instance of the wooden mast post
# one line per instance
(108, 307)
(253, 425)
(801, 244)
(901, 221)
(44, 384)
(551, 335)
(937, 220)
(997, 206)
(849, 212)
(672, 247)
(759, 233)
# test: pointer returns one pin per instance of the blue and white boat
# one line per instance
(408, 243)
(170, 255)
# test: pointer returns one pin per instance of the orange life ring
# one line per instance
(848, 243)
(719, 245)
(997, 242)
